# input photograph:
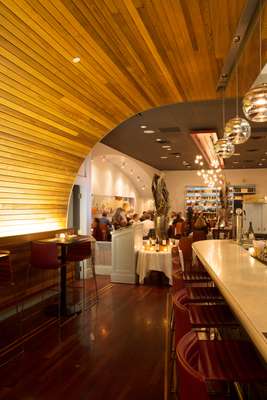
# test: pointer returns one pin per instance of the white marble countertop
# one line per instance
(242, 281)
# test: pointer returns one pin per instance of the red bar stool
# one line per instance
(7, 283)
(80, 252)
(203, 363)
(44, 256)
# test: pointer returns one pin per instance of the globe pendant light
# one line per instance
(237, 129)
(255, 103)
(224, 148)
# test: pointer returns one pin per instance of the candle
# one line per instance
(164, 242)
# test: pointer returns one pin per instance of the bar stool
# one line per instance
(199, 235)
(202, 363)
(7, 282)
(44, 256)
(189, 316)
(80, 252)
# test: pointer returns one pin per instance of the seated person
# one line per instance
(147, 225)
(200, 224)
(96, 231)
(119, 219)
(104, 220)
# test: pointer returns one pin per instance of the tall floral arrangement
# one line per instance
(161, 199)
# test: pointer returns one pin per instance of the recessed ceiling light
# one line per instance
(143, 187)
(235, 162)
(143, 126)
(185, 162)
(132, 171)
(236, 154)
(263, 159)
(166, 146)
(188, 166)
(163, 157)
(260, 164)
(177, 156)
(169, 148)
(159, 140)
(149, 131)
(76, 60)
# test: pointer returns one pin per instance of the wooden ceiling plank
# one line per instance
(151, 46)
(116, 75)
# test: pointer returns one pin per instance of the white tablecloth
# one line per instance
(154, 261)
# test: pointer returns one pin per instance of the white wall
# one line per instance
(177, 181)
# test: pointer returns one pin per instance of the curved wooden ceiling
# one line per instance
(135, 54)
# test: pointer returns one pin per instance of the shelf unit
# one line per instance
(203, 198)
(237, 193)
(207, 199)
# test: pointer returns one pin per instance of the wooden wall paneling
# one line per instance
(135, 55)
(19, 247)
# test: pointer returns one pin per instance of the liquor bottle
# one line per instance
(157, 244)
(251, 235)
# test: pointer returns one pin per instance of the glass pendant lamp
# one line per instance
(237, 129)
(224, 148)
(255, 103)
(255, 100)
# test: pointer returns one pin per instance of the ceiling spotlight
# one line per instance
(76, 60)
(177, 156)
(149, 131)
(143, 126)
(169, 148)
(132, 171)
(263, 159)
(138, 178)
(166, 146)
(260, 164)
(143, 187)
(159, 140)
(201, 163)
(163, 157)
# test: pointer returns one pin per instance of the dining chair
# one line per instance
(8, 285)
(80, 252)
(44, 257)
(205, 366)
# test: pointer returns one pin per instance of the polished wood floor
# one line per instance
(115, 351)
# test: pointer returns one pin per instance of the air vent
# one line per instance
(173, 129)
(162, 141)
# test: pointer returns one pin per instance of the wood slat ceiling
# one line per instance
(135, 55)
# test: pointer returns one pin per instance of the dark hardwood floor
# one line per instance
(115, 351)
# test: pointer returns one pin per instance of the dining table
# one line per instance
(64, 243)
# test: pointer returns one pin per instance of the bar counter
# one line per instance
(242, 280)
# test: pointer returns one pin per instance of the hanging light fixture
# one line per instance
(237, 129)
(224, 148)
(255, 103)
(255, 100)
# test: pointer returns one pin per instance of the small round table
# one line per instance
(154, 261)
